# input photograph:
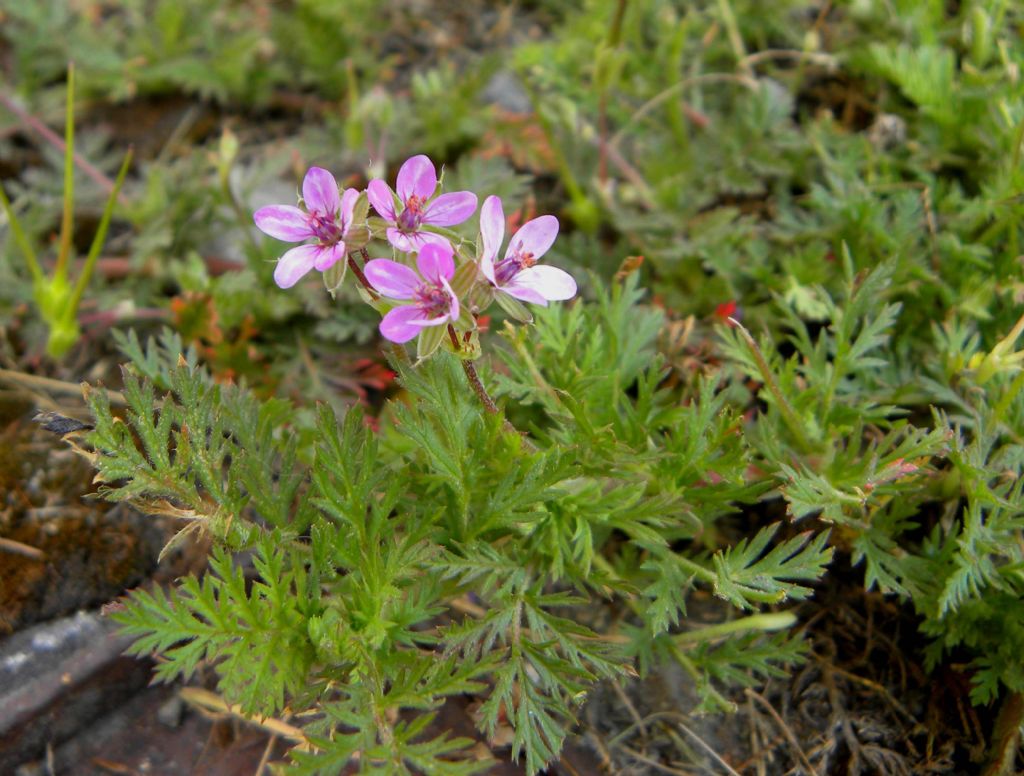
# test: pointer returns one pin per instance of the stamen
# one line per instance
(432, 299)
(508, 268)
(409, 219)
(327, 230)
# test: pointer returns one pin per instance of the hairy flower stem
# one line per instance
(478, 388)
(471, 374)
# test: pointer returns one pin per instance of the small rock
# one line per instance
(888, 131)
(171, 712)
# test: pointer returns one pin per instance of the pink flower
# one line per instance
(433, 301)
(417, 181)
(518, 274)
(326, 219)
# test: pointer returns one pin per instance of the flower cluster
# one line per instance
(433, 283)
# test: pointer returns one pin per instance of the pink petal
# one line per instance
(432, 238)
(391, 278)
(492, 232)
(524, 293)
(417, 176)
(435, 262)
(294, 264)
(382, 199)
(329, 256)
(320, 192)
(453, 301)
(534, 237)
(551, 283)
(411, 242)
(348, 203)
(402, 323)
(283, 222)
(450, 209)
(424, 322)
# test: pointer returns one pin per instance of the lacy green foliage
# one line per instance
(742, 575)
(159, 358)
(593, 373)
(834, 436)
(968, 586)
(354, 557)
(204, 453)
(257, 637)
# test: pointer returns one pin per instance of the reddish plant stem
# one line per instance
(471, 374)
(454, 338)
(53, 139)
(358, 272)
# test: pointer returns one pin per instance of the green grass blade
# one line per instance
(22, 241)
(101, 234)
(67, 225)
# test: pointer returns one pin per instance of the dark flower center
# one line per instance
(327, 229)
(509, 267)
(433, 300)
(409, 219)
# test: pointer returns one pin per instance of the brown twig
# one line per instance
(266, 755)
(1006, 736)
(637, 719)
(707, 748)
(17, 548)
(210, 703)
(786, 731)
(35, 383)
(640, 757)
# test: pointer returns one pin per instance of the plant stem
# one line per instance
(575, 190)
(732, 31)
(38, 278)
(358, 272)
(701, 573)
(769, 621)
(1006, 736)
(100, 237)
(485, 398)
(471, 374)
(604, 85)
(67, 220)
(244, 217)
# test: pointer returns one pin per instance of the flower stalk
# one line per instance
(57, 296)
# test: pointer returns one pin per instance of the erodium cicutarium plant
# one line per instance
(361, 575)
